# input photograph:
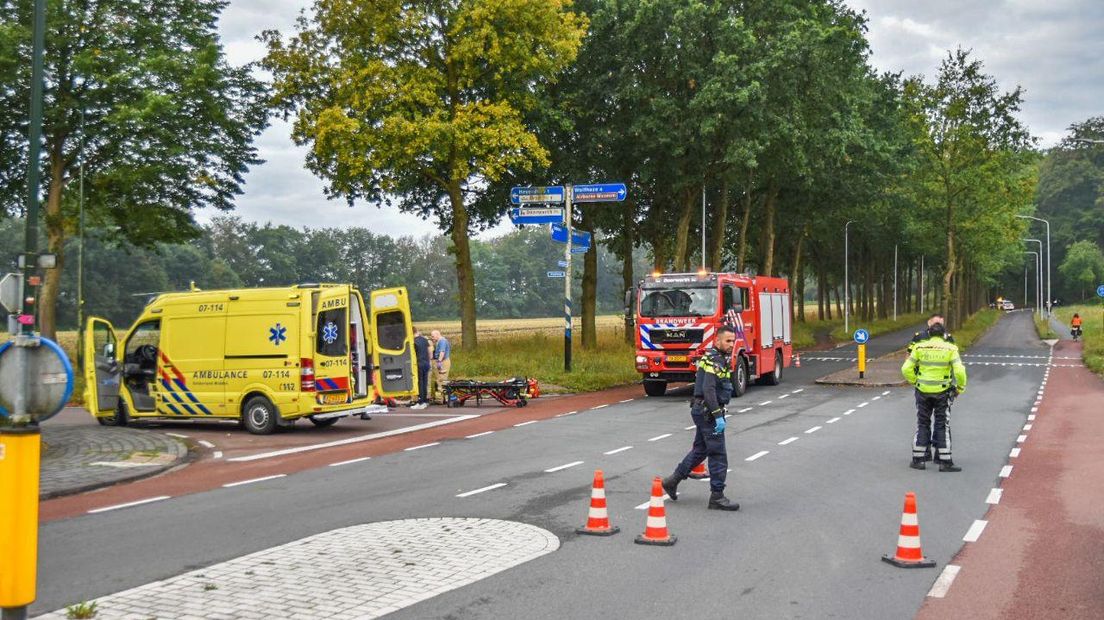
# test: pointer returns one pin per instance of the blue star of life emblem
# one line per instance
(277, 334)
(329, 332)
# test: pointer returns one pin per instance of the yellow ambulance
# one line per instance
(264, 356)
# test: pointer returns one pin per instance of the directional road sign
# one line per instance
(10, 290)
(1100, 290)
(529, 195)
(579, 250)
(861, 336)
(580, 238)
(536, 215)
(557, 274)
(600, 192)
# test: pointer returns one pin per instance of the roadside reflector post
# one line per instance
(862, 360)
(19, 461)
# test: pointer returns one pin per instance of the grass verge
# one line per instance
(877, 326)
(1092, 329)
(1042, 327)
(978, 323)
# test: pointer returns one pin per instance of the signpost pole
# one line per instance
(567, 279)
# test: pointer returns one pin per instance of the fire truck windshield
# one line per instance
(679, 301)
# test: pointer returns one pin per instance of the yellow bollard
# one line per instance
(862, 360)
(19, 462)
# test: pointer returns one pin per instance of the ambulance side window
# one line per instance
(330, 339)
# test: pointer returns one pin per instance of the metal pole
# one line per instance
(34, 134)
(846, 281)
(567, 280)
(895, 282)
(1025, 286)
(80, 251)
(921, 284)
(1049, 275)
(1040, 295)
(1038, 262)
(703, 227)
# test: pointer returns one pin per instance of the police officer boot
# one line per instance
(918, 463)
(948, 465)
(717, 501)
(670, 486)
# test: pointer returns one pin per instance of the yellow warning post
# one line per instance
(862, 360)
(19, 460)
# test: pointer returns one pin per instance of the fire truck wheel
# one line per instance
(775, 377)
(322, 422)
(655, 388)
(259, 416)
(740, 380)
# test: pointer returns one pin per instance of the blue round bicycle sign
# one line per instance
(1100, 290)
(861, 336)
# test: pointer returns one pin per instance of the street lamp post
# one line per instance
(894, 282)
(1040, 256)
(846, 282)
(1038, 268)
(1049, 277)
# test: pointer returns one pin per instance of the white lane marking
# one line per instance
(424, 445)
(206, 444)
(526, 423)
(833, 420)
(943, 584)
(849, 412)
(861, 405)
(252, 480)
(498, 485)
(350, 461)
(627, 400)
(622, 449)
(217, 454)
(798, 391)
(129, 504)
(345, 442)
(599, 407)
(1034, 410)
(479, 435)
(560, 415)
(1027, 427)
(786, 442)
(177, 435)
(885, 393)
(649, 502)
(1021, 439)
(1006, 471)
(1031, 417)
(994, 496)
(974, 533)
(690, 428)
(876, 398)
(783, 396)
(759, 454)
(562, 467)
(1014, 453)
(658, 437)
(744, 410)
(765, 403)
(813, 429)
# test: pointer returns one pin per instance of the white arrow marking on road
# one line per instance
(975, 531)
(562, 467)
(478, 434)
(994, 496)
(424, 445)
(350, 461)
(786, 442)
(833, 420)
(525, 423)
(1014, 453)
(252, 480)
(617, 450)
(813, 429)
(129, 504)
(757, 455)
(658, 437)
(486, 488)
(1006, 471)
(943, 584)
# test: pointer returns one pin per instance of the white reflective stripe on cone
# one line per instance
(657, 522)
(597, 513)
(908, 542)
(598, 494)
(909, 518)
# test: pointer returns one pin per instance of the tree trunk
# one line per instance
(720, 229)
(627, 236)
(797, 280)
(820, 294)
(55, 244)
(768, 228)
(741, 248)
(682, 233)
(590, 286)
(839, 304)
(465, 276)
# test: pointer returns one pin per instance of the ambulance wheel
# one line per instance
(655, 388)
(775, 377)
(322, 422)
(119, 418)
(740, 379)
(259, 416)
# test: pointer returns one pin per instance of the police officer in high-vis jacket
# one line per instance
(935, 368)
(712, 391)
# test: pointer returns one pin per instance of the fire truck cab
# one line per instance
(677, 316)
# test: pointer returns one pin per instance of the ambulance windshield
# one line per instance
(679, 301)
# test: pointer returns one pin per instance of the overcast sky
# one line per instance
(1054, 49)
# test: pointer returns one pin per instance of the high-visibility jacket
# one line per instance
(1076, 321)
(934, 366)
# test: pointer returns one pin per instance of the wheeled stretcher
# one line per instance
(512, 392)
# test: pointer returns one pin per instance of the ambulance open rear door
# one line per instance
(393, 343)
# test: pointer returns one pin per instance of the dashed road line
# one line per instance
(622, 449)
(1006, 471)
(627, 400)
(849, 412)
(885, 393)
(876, 398)
(424, 445)
(1034, 410)
(1027, 427)
(745, 410)
(765, 403)
(798, 391)
(943, 583)
(974, 533)
(217, 454)
(177, 435)
(783, 396)
(350, 461)
(1014, 453)
(813, 429)
(861, 405)
(148, 500)
(994, 496)
(252, 480)
(1031, 417)
(658, 437)
(525, 423)
(479, 435)
(206, 444)
(562, 467)
(757, 455)
(560, 415)
(833, 421)
(786, 442)
(599, 407)
(1021, 439)
(691, 427)
(492, 487)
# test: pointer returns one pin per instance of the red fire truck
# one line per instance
(677, 316)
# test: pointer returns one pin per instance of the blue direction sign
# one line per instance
(600, 192)
(539, 195)
(557, 274)
(579, 238)
(579, 250)
(861, 336)
(1100, 290)
(536, 215)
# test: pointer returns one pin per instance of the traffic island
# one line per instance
(882, 372)
(81, 458)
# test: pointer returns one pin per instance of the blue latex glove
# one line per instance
(719, 426)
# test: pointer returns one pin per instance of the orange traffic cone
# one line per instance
(598, 519)
(655, 532)
(797, 360)
(699, 472)
(909, 554)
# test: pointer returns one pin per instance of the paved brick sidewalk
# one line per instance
(359, 572)
(80, 458)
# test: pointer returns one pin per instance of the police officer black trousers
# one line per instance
(931, 407)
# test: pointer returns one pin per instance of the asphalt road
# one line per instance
(817, 513)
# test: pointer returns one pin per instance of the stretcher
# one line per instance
(512, 392)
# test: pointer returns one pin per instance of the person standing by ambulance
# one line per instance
(442, 363)
(712, 391)
(935, 368)
(421, 353)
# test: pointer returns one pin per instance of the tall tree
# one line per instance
(423, 103)
(141, 94)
